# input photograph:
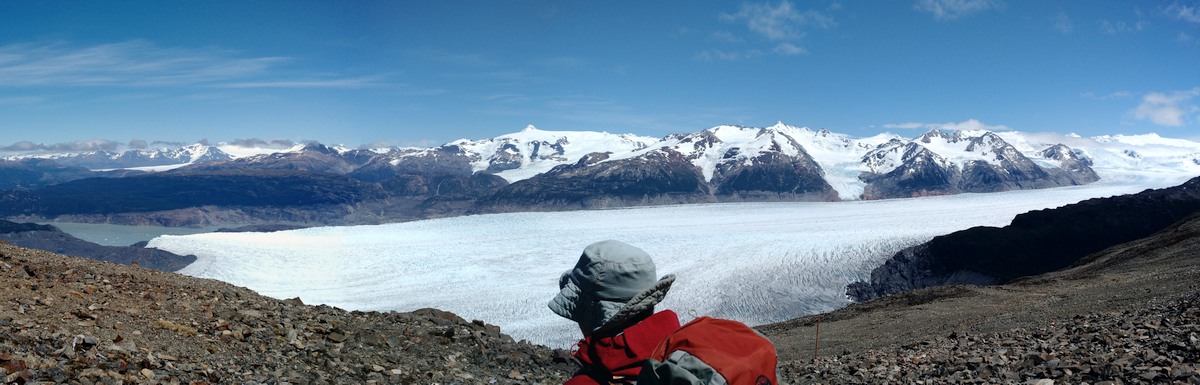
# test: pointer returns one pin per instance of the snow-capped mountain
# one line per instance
(1120, 156)
(783, 162)
(561, 170)
(514, 157)
(940, 162)
(309, 157)
(148, 158)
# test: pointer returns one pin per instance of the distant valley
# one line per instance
(534, 170)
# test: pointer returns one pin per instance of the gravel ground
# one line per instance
(77, 321)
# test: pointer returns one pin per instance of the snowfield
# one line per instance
(754, 262)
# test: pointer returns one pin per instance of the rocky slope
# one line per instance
(1036, 242)
(75, 321)
(1127, 314)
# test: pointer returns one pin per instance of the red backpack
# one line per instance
(712, 351)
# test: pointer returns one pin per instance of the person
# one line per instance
(611, 293)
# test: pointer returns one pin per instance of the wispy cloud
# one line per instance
(1120, 26)
(1189, 13)
(20, 100)
(966, 125)
(723, 55)
(1109, 96)
(1062, 23)
(789, 49)
(309, 83)
(780, 25)
(1171, 109)
(256, 142)
(955, 9)
(139, 63)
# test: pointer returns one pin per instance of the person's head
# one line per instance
(612, 286)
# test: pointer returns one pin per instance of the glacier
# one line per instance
(753, 262)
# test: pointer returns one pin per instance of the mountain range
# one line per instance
(534, 170)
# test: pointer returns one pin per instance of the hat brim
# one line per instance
(566, 303)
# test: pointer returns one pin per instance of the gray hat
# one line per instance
(612, 283)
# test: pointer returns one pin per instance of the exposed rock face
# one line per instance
(986, 163)
(1036, 242)
(749, 164)
(1071, 164)
(921, 172)
(49, 238)
(448, 160)
(311, 158)
(655, 178)
(772, 176)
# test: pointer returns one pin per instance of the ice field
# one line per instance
(754, 262)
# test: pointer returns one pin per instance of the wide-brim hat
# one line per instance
(611, 284)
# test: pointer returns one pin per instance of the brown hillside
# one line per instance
(77, 321)
(1128, 313)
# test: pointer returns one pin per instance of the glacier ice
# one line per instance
(754, 262)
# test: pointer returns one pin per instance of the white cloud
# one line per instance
(1114, 95)
(954, 9)
(779, 23)
(308, 83)
(1062, 23)
(1172, 109)
(1188, 13)
(789, 49)
(966, 125)
(1115, 27)
(138, 63)
(782, 25)
(726, 36)
(716, 54)
(904, 126)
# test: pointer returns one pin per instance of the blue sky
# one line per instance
(97, 74)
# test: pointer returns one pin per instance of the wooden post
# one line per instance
(817, 342)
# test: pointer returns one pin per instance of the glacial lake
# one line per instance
(122, 235)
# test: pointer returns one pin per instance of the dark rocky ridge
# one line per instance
(50, 238)
(34, 173)
(1127, 314)
(657, 178)
(1036, 242)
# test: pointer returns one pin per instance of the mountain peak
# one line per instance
(530, 128)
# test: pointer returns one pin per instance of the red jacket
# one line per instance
(619, 358)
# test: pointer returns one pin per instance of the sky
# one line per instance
(89, 74)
